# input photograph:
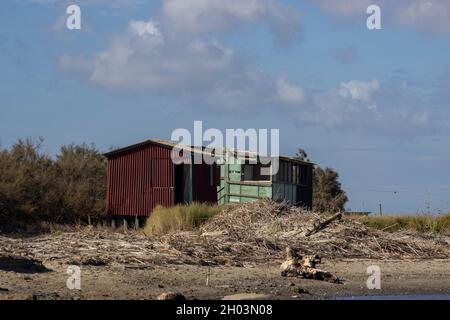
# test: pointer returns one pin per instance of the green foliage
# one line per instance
(179, 218)
(302, 155)
(34, 187)
(328, 195)
(81, 173)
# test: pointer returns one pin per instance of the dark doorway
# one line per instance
(182, 174)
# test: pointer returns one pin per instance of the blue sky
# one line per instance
(374, 105)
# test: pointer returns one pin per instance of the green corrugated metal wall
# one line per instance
(238, 191)
(280, 188)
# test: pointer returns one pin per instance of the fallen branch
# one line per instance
(323, 225)
(388, 227)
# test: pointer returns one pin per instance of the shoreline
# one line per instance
(262, 281)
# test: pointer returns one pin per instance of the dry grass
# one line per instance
(179, 218)
(419, 223)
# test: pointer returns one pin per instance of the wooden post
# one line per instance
(125, 224)
(226, 181)
(136, 223)
(113, 223)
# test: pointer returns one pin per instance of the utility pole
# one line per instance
(381, 210)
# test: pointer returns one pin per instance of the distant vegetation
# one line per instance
(179, 218)
(35, 187)
(328, 195)
(69, 188)
(419, 223)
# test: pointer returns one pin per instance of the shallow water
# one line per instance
(445, 296)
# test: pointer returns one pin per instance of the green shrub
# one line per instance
(81, 171)
(179, 218)
(35, 187)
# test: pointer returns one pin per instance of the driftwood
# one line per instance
(241, 235)
(305, 267)
(322, 225)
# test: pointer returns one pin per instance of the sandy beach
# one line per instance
(262, 281)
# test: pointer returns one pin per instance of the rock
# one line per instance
(301, 291)
(171, 296)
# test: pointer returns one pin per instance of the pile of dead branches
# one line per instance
(271, 226)
(243, 234)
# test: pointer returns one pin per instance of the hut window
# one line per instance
(281, 172)
(303, 176)
(299, 174)
(247, 171)
(263, 177)
(289, 173)
(252, 172)
(295, 173)
(285, 172)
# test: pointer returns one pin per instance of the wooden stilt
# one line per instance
(136, 223)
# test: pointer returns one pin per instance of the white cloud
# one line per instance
(346, 8)
(430, 15)
(420, 119)
(196, 68)
(143, 28)
(369, 107)
(359, 90)
(172, 54)
(424, 15)
(289, 93)
(111, 3)
(205, 16)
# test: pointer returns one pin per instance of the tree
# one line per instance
(301, 155)
(328, 195)
(27, 183)
(35, 187)
(82, 175)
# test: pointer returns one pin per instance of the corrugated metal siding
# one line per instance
(138, 180)
(298, 194)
